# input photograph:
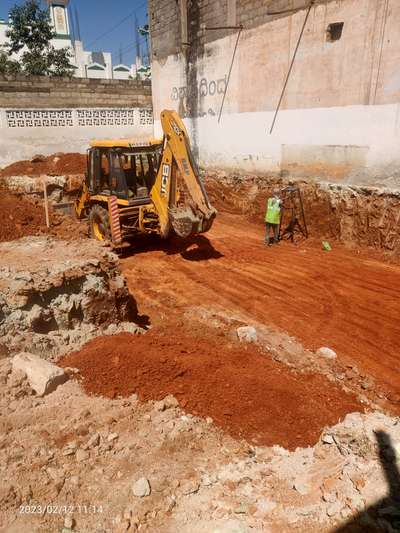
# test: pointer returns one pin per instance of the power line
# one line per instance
(128, 48)
(118, 24)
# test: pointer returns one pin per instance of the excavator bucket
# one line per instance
(183, 221)
(186, 222)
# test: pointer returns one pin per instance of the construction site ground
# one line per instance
(227, 436)
(343, 299)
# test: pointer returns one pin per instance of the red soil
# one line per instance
(340, 299)
(20, 217)
(53, 165)
(245, 392)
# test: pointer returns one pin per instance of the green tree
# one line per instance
(30, 33)
(7, 65)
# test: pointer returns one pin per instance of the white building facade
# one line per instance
(86, 64)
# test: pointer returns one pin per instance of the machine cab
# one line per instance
(123, 169)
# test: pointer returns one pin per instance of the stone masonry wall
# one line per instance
(43, 92)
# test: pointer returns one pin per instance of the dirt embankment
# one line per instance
(246, 393)
(21, 217)
(361, 216)
(53, 165)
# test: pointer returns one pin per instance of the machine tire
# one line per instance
(99, 223)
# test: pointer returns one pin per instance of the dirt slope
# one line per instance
(338, 299)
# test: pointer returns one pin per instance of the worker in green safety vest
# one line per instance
(273, 218)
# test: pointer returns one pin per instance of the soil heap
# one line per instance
(244, 391)
(53, 165)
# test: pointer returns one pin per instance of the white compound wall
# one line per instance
(26, 132)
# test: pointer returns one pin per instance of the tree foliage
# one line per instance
(7, 65)
(29, 34)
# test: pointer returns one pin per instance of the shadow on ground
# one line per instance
(385, 514)
(196, 248)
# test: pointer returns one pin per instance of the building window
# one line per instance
(334, 31)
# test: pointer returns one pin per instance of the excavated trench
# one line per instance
(57, 294)
(367, 217)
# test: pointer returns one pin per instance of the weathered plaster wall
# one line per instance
(340, 115)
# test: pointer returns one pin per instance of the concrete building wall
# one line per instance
(340, 116)
(42, 115)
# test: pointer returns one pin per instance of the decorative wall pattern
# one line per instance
(39, 118)
(146, 117)
(106, 117)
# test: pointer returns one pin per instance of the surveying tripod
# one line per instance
(292, 219)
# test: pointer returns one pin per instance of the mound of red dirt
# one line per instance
(53, 165)
(21, 217)
(245, 392)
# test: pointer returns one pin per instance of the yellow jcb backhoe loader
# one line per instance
(144, 187)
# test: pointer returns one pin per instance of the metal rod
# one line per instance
(291, 66)
(229, 74)
(46, 202)
(381, 51)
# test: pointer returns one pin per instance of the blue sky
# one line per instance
(97, 17)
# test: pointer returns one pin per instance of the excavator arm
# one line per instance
(187, 216)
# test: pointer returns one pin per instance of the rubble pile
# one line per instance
(55, 294)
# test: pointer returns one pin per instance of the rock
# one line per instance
(68, 451)
(71, 371)
(329, 497)
(112, 436)
(16, 378)
(93, 441)
(141, 488)
(69, 522)
(38, 158)
(242, 509)
(327, 439)
(170, 402)
(160, 406)
(43, 377)
(334, 509)
(265, 506)
(247, 334)
(190, 487)
(82, 455)
(327, 353)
